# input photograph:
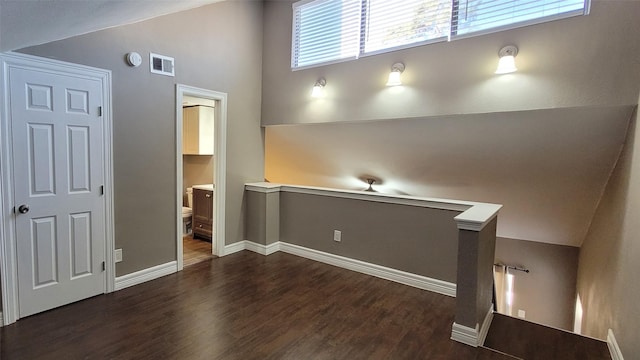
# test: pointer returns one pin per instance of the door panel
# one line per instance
(58, 169)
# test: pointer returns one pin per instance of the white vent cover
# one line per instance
(160, 64)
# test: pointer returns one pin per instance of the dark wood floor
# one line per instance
(248, 306)
(531, 341)
(195, 250)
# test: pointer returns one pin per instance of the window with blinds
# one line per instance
(326, 31)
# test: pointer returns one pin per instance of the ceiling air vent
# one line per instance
(160, 64)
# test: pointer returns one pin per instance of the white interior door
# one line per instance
(58, 174)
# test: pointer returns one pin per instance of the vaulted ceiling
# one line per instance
(25, 23)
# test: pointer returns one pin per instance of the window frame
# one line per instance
(449, 38)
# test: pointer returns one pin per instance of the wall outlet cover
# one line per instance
(337, 235)
(118, 255)
(521, 314)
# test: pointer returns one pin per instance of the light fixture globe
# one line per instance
(394, 75)
(318, 88)
(507, 62)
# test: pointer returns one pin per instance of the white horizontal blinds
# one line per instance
(393, 23)
(324, 31)
(480, 15)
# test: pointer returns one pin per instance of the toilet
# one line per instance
(187, 212)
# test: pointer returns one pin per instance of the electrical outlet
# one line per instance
(337, 235)
(521, 314)
(118, 255)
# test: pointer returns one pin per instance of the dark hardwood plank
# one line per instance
(248, 306)
(528, 340)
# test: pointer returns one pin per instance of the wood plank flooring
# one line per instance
(248, 306)
(195, 250)
(531, 341)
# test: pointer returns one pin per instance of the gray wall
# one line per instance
(548, 292)
(566, 63)
(418, 240)
(216, 47)
(474, 290)
(609, 259)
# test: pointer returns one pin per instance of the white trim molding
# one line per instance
(145, 275)
(473, 336)
(262, 249)
(465, 334)
(1, 320)
(235, 247)
(220, 173)
(402, 277)
(614, 349)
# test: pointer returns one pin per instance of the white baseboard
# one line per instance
(235, 247)
(484, 329)
(465, 334)
(473, 336)
(145, 275)
(402, 277)
(262, 249)
(614, 349)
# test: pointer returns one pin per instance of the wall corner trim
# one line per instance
(402, 277)
(614, 349)
(145, 275)
(465, 334)
(1, 320)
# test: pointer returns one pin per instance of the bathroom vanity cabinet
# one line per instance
(202, 213)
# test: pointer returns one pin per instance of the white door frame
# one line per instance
(220, 166)
(8, 255)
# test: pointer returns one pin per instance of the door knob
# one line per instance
(23, 209)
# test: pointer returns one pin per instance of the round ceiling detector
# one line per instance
(134, 59)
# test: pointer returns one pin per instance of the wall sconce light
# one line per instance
(318, 88)
(394, 75)
(507, 62)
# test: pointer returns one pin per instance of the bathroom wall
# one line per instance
(216, 47)
(197, 169)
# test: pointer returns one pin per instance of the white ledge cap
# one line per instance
(477, 217)
(474, 217)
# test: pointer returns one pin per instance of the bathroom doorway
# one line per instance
(200, 174)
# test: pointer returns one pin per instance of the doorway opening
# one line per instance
(200, 173)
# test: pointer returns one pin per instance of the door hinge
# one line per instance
(104, 266)
(99, 110)
(101, 189)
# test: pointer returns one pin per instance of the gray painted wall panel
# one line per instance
(414, 239)
(255, 214)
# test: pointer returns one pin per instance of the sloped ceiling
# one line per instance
(547, 167)
(25, 23)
